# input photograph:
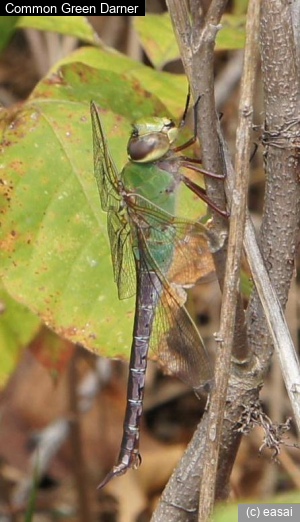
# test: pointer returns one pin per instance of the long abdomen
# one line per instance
(144, 315)
(148, 290)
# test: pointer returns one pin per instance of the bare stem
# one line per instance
(280, 224)
(232, 274)
(278, 245)
(196, 43)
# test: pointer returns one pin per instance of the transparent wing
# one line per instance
(107, 178)
(106, 173)
(122, 254)
(174, 337)
(166, 243)
(181, 248)
(177, 342)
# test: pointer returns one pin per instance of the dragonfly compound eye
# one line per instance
(149, 147)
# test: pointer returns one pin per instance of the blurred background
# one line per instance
(61, 407)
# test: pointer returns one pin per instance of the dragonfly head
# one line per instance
(151, 139)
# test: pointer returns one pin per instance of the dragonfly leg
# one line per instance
(186, 108)
(191, 164)
(185, 145)
(201, 193)
(192, 140)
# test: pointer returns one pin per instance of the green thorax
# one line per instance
(151, 182)
(158, 186)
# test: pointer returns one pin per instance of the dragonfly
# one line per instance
(155, 256)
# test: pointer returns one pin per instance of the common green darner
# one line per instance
(154, 255)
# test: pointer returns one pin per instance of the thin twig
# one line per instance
(280, 224)
(180, 496)
(281, 213)
(276, 321)
(196, 43)
(271, 305)
(232, 275)
(197, 53)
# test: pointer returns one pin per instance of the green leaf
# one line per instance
(232, 34)
(157, 37)
(240, 7)
(77, 26)
(159, 42)
(55, 255)
(226, 513)
(7, 27)
(171, 89)
(246, 284)
(80, 83)
(18, 326)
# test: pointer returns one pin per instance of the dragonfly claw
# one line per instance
(117, 471)
(137, 461)
(120, 469)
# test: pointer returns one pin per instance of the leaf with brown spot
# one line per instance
(58, 260)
